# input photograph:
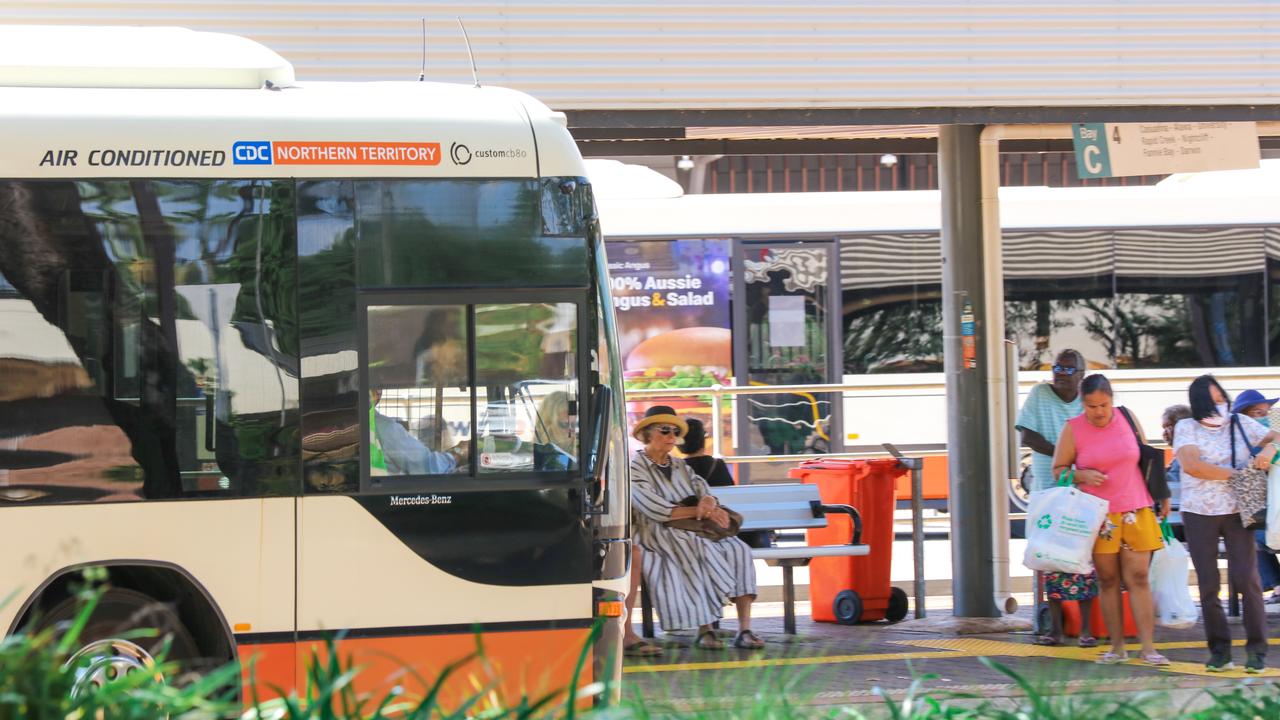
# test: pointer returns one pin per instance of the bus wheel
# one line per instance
(108, 649)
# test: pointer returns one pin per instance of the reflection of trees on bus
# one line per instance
(130, 277)
(1130, 298)
(900, 337)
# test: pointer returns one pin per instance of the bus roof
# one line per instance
(169, 57)
(172, 103)
(1240, 197)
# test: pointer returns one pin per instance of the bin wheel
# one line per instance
(848, 607)
(1044, 623)
(897, 605)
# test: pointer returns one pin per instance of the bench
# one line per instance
(783, 506)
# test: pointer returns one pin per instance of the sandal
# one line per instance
(1155, 659)
(641, 648)
(1088, 641)
(1046, 640)
(747, 640)
(1111, 658)
(707, 640)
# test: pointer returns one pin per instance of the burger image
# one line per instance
(684, 358)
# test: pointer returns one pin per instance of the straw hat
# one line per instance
(659, 415)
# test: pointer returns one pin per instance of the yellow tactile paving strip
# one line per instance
(783, 662)
(962, 648)
(997, 648)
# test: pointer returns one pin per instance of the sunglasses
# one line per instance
(1063, 370)
(668, 430)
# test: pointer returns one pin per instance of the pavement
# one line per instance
(827, 664)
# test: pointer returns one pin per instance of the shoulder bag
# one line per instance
(1150, 462)
(706, 527)
(1248, 484)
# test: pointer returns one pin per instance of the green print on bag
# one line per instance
(1044, 522)
(1074, 526)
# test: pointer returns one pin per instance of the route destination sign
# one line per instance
(1159, 148)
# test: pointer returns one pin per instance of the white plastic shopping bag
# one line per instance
(1169, 569)
(1273, 508)
(1062, 526)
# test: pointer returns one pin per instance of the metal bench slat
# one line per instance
(778, 506)
(819, 551)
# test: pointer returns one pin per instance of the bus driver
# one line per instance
(394, 451)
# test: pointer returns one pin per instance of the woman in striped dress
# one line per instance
(691, 577)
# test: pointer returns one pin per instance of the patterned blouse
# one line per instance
(1214, 497)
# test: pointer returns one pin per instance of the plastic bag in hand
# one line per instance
(1169, 569)
(1062, 526)
(1273, 507)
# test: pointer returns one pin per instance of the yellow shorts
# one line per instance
(1136, 530)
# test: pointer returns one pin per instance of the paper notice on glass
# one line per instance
(786, 320)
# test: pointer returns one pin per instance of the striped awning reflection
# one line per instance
(886, 260)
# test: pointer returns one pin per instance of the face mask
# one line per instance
(1265, 421)
(1219, 419)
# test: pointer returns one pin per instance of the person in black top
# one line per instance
(712, 469)
(700, 460)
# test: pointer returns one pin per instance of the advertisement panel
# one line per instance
(672, 302)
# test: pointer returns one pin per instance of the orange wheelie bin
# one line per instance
(850, 590)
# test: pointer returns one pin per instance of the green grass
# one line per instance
(36, 682)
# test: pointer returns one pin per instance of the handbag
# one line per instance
(706, 527)
(1248, 484)
(1150, 463)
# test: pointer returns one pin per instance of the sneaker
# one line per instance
(1256, 663)
(1219, 662)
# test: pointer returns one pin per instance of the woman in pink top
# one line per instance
(1103, 449)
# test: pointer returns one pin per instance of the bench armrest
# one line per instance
(820, 509)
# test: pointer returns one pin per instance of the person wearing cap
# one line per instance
(691, 577)
(1251, 403)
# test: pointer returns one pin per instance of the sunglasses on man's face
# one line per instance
(668, 430)
(1064, 370)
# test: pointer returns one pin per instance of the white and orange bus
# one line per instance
(295, 359)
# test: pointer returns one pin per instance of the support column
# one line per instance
(966, 359)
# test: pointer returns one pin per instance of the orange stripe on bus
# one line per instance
(518, 664)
